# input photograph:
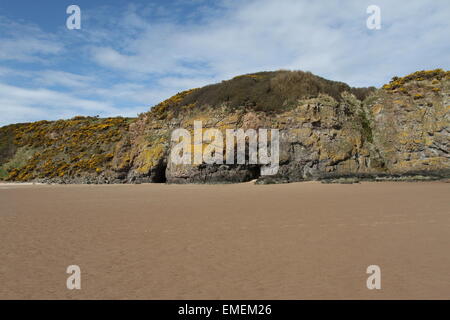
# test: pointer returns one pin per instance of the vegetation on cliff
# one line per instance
(398, 83)
(49, 149)
(328, 129)
(270, 92)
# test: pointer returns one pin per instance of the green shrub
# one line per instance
(264, 91)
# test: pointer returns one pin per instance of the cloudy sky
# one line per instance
(129, 55)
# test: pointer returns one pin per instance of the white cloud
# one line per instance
(329, 38)
(61, 78)
(27, 49)
(26, 43)
(122, 62)
(22, 104)
(130, 92)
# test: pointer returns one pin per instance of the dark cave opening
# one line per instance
(159, 173)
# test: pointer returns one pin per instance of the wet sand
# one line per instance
(244, 241)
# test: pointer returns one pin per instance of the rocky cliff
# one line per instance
(328, 130)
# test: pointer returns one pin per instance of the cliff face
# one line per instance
(76, 150)
(317, 137)
(410, 119)
(327, 130)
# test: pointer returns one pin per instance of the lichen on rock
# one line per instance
(328, 131)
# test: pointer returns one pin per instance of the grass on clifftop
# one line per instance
(399, 82)
(274, 91)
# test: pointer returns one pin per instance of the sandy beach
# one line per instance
(243, 241)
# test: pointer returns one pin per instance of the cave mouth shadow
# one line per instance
(159, 174)
(254, 172)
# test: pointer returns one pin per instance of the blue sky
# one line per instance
(130, 55)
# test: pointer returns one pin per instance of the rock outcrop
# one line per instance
(410, 120)
(327, 129)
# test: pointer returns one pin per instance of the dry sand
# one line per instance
(244, 241)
